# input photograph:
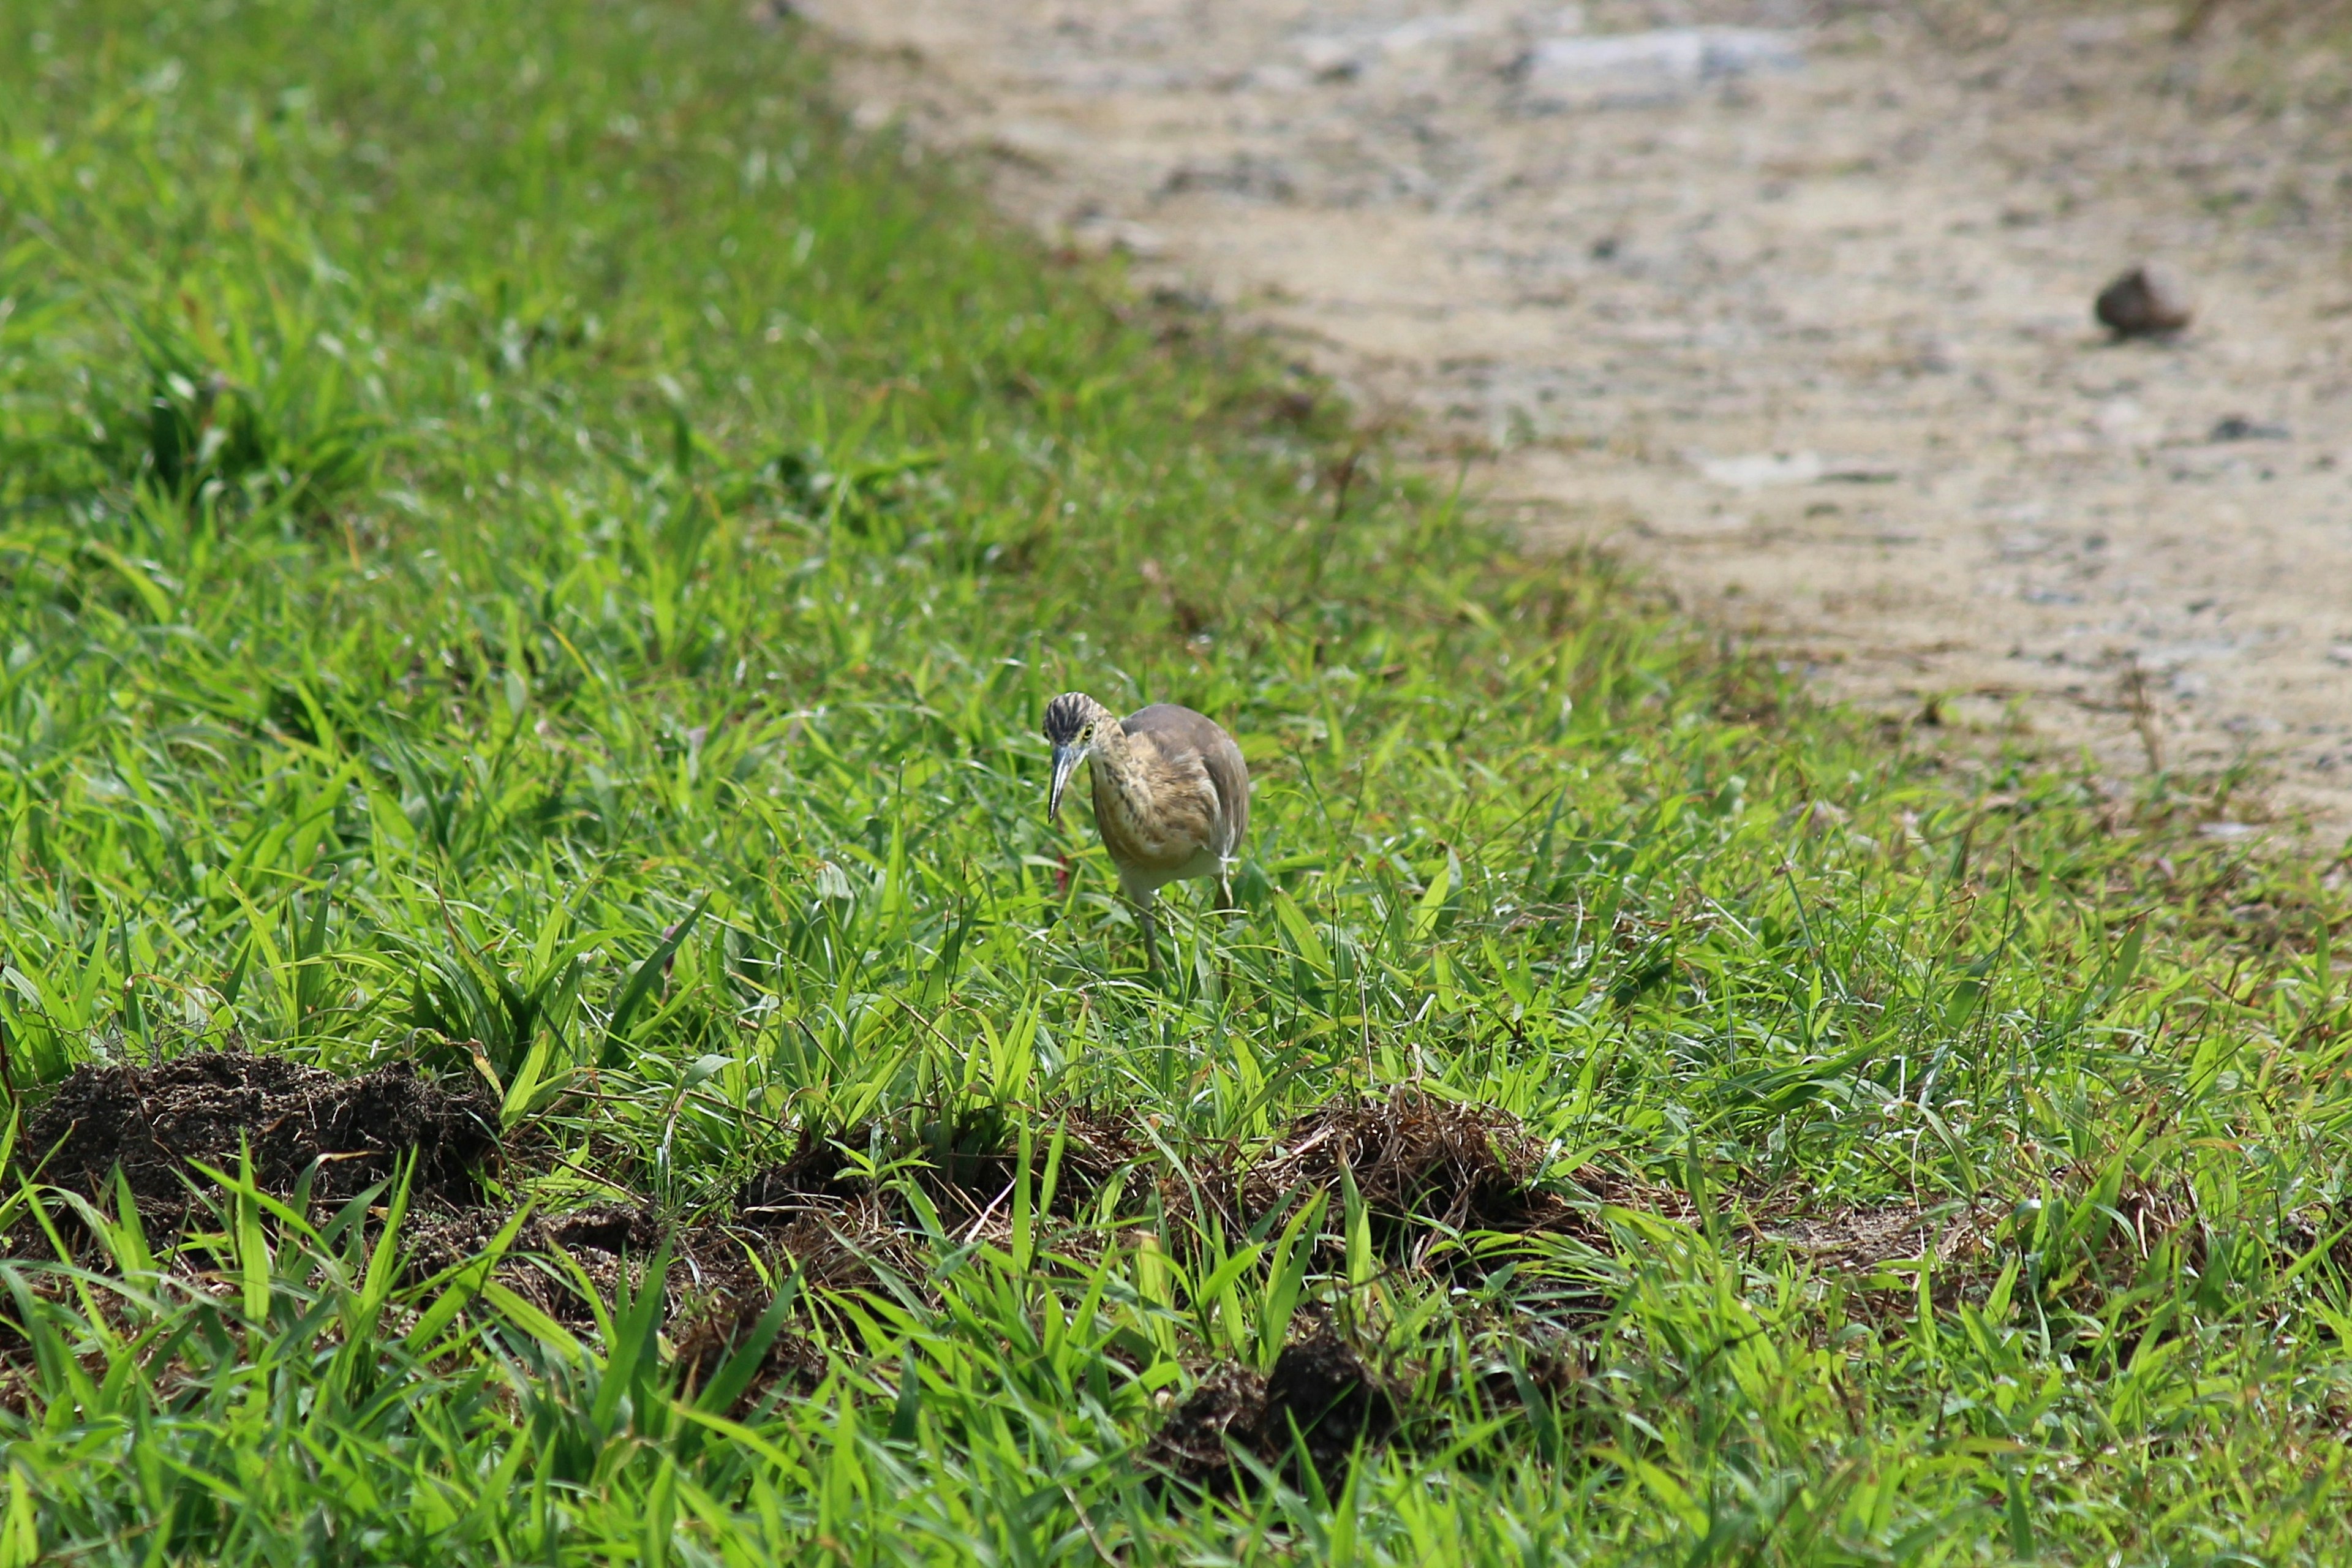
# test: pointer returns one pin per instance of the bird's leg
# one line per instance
(1225, 907)
(1150, 944)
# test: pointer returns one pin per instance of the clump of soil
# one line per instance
(814, 1212)
(970, 1166)
(978, 1166)
(714, 1294)
(1227, 1407)
(1861, 1239)
(609, 1242)
(816, 1175)
(1423, 1166)
(723, 1320)
(1320, 1397)
(1556, 1373)
(1323, 1398)
(157, 1123)
(620, 1229)
(837, 1244)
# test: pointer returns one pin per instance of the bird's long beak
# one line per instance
(1065, 762)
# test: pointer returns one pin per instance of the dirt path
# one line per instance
(1811, 340)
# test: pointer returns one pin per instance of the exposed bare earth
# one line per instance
(1813, 344)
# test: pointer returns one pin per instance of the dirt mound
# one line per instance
(817, 1174)
(968, 1165)
(725, 1319)
(610, 1243)
(1424, 1165)
(1864, 1238)
(158, 1123)
(813, 1212)
(978, 1166)
(1544, 1372)
(621, 1229)
(846, 1246)
(1320, 1397)
(1228, 1407)
(715, 1293)
(441, 1241)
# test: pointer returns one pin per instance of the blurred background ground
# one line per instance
(1801, 324)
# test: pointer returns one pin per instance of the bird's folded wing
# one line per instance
(1229, 776)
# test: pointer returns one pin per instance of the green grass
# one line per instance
(527, 547)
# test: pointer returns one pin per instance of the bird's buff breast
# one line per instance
(1166, 844)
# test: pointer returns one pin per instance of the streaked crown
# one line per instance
(1067, 716)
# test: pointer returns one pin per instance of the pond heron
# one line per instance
(1172, 795)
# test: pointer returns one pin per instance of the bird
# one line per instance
(1172, 795)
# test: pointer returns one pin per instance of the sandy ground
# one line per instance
(1809, 340)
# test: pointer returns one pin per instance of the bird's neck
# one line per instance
(1113, 765)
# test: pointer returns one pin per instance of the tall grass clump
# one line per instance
(531, 559)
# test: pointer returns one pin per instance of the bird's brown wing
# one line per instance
(1202, 762)
(1230, 775)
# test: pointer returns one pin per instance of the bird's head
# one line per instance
(1072, 722)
